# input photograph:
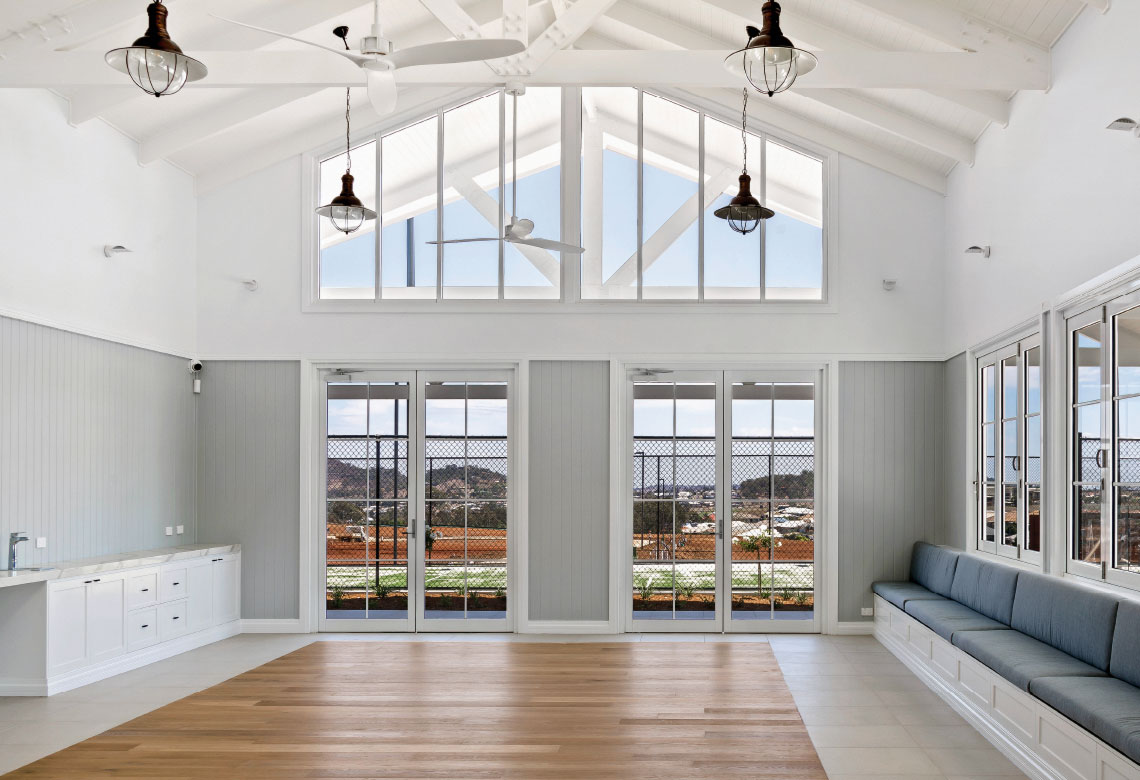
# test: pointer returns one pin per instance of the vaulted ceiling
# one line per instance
(906, 85)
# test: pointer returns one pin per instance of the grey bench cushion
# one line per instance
(1020, 658)
(933, 567)
(1073, 619)
(899, 593)
(1106, 706)
(1126, 643)
(946, 617)
(985, 587)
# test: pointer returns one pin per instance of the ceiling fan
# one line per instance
(379, 59)
(518, 231)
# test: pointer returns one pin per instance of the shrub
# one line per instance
(336, 596)
(645, 589)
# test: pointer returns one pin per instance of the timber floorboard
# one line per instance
(470, 711)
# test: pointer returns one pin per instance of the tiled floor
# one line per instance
(866, 713)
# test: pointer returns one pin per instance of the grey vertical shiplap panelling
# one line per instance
(892, 471)
(569, 490)
(955, 526)
(248, 481)
(97, 443)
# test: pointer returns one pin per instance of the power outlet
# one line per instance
(41, 542)
(180, 530)
(867, 611)
(170, 530)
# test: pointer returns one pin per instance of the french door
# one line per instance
(416, 481)
(724, 498)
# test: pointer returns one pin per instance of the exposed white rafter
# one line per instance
(515, 20)
(562, 32)
(54, 25)
(185, 133)
(897, 70)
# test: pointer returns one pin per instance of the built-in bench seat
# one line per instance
(1073, 648)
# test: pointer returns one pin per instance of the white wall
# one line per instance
(1055, 194)
(888, 227)
(66, 192)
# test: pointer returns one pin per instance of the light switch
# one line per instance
(41, 542)
(180, 530)
(170, 530)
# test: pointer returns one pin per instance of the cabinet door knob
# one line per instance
(175, 617)
(177, 583)
(144, 590)
(145, 625)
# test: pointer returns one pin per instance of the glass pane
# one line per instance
(609, 192)
(466, 483)
(732, 260)
(1087, 346)
(793, 239)
(1128, 352)
(409, 211)
(1033, 380)
(989, 393)
(988, 512)
(1128, 440)
(1128, 529)
(530, 272)
(1009, 387)
(670, 199)
(989, 465)
(794, 411)
(348, 261)
(1009, 515)
(1033, 519)
(1088, 443)
(751, 410)
(1086, 544)
(1009, 452)
(1033, 473)
(471, 199)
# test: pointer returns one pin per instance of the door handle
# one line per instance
(1101, 462)
(411, 529)
(1017, 463)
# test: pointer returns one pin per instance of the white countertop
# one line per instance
(115, 562)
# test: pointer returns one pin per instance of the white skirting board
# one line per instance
(567, 627)
(124, 663)
(854, 628)
(273, 626)
(1038, 740)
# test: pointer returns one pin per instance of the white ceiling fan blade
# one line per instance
(357, 59)
(382, 92)
(461, 241)
(521, 228)
(546, 243)
(470, 50)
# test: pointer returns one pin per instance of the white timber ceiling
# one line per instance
(906, 85)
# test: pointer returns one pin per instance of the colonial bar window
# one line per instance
(653, 171)
(1104, 441)
(1010, 472)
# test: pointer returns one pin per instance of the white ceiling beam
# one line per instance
(1100, 5)
(820, 37)
(452, 16)
(896, 122)
(562, 32)
(413, 104)
(176, 136)
(66, 26)
(938, 21)
(897, 70)
(89, 103)
(288, 17)
(515, 24)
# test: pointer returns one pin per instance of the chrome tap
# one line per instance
(15, 538)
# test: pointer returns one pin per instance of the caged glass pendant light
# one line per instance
(155, 63)
(346, 211)
(744, 213)
(770, 61)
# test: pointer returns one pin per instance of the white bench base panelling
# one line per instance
(64, 633)
(1040, 741)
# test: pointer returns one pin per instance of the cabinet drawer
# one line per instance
(172, 620)
(172, 584)
(142, 589)
(142, 628)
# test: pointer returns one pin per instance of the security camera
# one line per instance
(195, 366)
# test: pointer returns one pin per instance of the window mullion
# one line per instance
(701, 206)
(439, 206)
(640, 190)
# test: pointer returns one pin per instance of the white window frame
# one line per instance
(995, 358)
(570, 298)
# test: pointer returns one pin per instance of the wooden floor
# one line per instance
(479, 710)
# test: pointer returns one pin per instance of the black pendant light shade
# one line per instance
(155, 63)
(346, 211)
(744, 212)
(770, 61)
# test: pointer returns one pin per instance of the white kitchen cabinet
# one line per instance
(98, 625)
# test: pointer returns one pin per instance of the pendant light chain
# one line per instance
(744, 129)
(348, 128)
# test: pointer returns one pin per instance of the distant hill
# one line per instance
(348, 480)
